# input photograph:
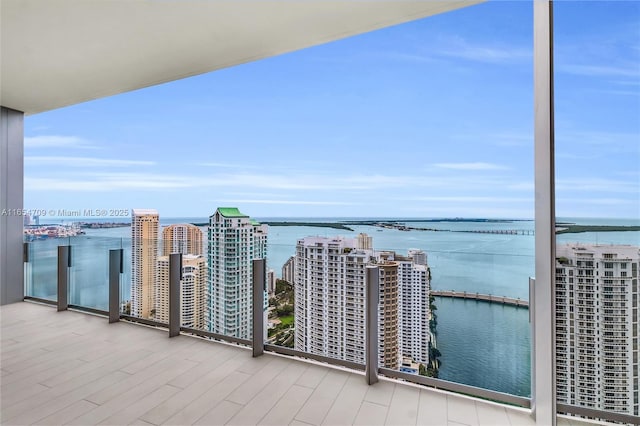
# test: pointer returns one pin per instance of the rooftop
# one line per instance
(231, 212)
(144, 212)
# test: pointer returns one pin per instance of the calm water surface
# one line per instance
(482, 344)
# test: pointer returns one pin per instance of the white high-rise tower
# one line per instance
(597, 326)
(330, 289)
(234, 241)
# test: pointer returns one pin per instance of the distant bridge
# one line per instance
(483, 297)
(503, 231)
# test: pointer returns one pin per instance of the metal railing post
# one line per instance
(175, 275)
(64, 263)
(259, 273)
(26, 267)
(532, 328)
(371, 329)
(115, 269)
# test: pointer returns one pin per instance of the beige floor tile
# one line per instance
(285, 410)
(371, 414)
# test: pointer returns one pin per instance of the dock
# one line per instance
(503, 231)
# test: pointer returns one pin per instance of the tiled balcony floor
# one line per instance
(75, 368)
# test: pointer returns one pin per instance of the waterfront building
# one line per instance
(597, 326)
(182, 238)
(288, 270)
(414, 305)
(234, 241)
(330, 288)
(144, 255)
(387, 309)
(409, 366)
(330, 300)
(192, 291)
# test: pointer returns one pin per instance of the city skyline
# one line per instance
(441, 118)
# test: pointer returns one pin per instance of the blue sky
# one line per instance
(432, 118)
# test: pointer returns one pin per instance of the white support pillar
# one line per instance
(11, 203)
(543, 369)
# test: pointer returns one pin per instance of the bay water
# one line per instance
(482, 344)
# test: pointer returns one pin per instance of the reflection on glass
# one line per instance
(42, 270)
(89, 274)
(319, 304)
(598, 238)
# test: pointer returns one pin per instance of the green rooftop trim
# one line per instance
(230, 212)
(254, 222)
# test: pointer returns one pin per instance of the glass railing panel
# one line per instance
(317, 297)
(216, 289)
(41, 271)
(89, 278)
(313, 308)
(597, 93)
(145, 281)
(462, 316)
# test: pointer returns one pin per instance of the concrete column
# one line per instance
(11, 203)
(543, 380)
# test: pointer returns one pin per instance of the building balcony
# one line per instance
(74, 368)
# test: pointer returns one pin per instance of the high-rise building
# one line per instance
(144, 255)
(597, 326)
(413, 305)
(388, 342)
(187, 240)
(271, 282)
(329, 311)
(234, 241)
(288, 270)
(181, 238)
(330, 288)
(192, 291)
(365, 242)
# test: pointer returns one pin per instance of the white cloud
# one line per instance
(600, 201)
(105, 182)
(470, 166)
(457, 47)
(596, 185)
(226, 165)
(621, 139)
(83, 162)
(279, 186)
(291, 202)
(54, 141)
(473, 199)
(600, 70)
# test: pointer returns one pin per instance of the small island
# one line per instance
(572, 228)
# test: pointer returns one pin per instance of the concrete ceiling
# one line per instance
(55, 53)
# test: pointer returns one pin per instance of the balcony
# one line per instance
(74, 368)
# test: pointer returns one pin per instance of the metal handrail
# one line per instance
(300, 354)
(597, 414)
(505, 398)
